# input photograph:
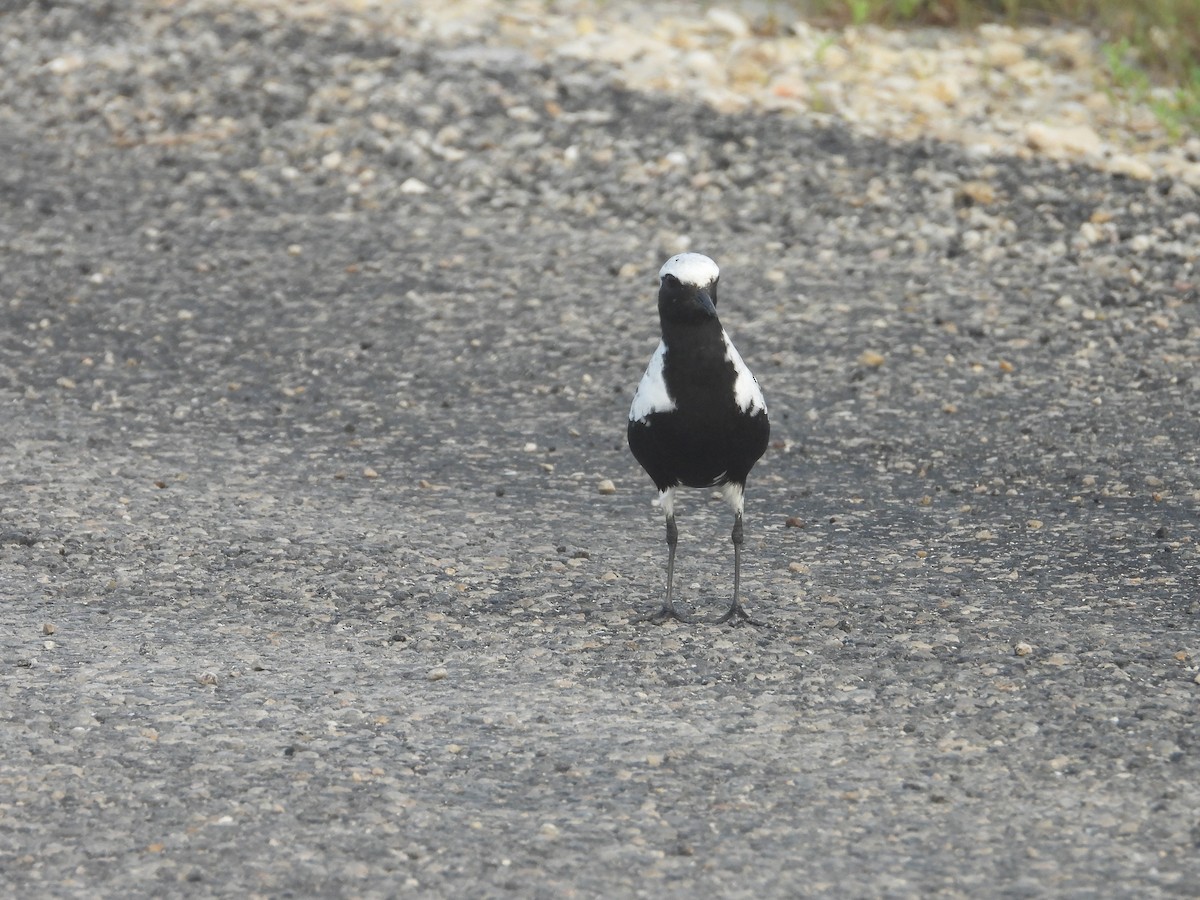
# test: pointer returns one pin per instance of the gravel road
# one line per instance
(317, 344)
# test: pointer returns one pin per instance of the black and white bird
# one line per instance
(698, 418)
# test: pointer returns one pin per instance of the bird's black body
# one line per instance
(707, 440)
(698, 418)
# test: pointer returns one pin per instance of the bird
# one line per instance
(698, 418)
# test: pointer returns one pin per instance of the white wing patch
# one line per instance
(652, 395)
(745, 389)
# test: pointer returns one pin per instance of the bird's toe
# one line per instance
(736, 615)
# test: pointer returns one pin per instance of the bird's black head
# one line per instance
(687, 289)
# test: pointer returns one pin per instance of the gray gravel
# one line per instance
(317, 344)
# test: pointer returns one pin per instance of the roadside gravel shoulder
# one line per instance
(993, 89)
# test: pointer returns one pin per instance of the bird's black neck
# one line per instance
(692, 337)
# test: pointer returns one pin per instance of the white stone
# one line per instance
(414, 186)
(1067, 140)
(1123, 164)
(728, 21)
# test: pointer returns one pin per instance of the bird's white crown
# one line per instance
(690, 268)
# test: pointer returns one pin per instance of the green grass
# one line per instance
(1151, 47)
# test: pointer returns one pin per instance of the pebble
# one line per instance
(1021, 648)
(728, 22)
(436, 674)
(1125, 164)
(414, 186)
(1063, 141)
(606, 486)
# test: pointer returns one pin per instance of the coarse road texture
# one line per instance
(317, 344)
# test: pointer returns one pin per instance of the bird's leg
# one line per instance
(668, 610)
(736, 613)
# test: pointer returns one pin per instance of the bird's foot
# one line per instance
(665, 613)
(736, 615)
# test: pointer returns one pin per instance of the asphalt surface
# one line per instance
(317, 345)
